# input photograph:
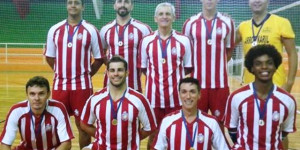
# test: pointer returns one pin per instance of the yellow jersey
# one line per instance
(273, 29)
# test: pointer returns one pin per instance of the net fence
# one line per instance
(28, 21)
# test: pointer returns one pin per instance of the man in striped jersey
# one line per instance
(122, 116)
(190, 128)
(43, 123)
(122, 37)
(260, 115)
(212, 34)
(165, 58)
(71, 44)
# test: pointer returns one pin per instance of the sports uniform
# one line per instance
(211, 39)
(255, 133)
(204, 131)
(72, 47)
(269, 32)
(124, 41)
(45, 132)
(132, 109)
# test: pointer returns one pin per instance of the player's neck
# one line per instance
(259, 17)
(190, 114)
(117, 92)
(37, 113)
(263, 88)
(123, 20)
(73, 21)
(165, 33)
(209, 14)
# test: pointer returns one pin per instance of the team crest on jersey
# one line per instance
(219, 30)
(48, 127)
(79, 36)
(217, 113)
(130, 36)
(174, 51)
(200, 138)
(275, 116)
(124, 116)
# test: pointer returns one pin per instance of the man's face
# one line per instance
(209, 4)
(117, 74)
(74, 7)
(263, 68)
(258, 6)
(37, 97)
(189, 95)
(164, 17)
(123, 7)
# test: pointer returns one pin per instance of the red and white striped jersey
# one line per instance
(48, 133)
(172, 134)
(134, 109)
(162, 78)
(242, 113)
(73, 64)
(131, 37)
(210, 61)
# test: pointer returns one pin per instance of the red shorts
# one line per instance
(160, 113)
(74, 100)
(214, 100)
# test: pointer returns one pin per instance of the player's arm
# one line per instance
(144, 134)
(89, 129)
(96, 65)
(64, 145)
(50, 61)
(5, 147)
(290, 48)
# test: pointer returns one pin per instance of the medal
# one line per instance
(70, 44)
(209, 42)
(254, 43)
(192, 148)
(120, 43)
(261, 122)
(114, 122)
(163, 60)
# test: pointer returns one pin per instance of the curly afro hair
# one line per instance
(259, 50)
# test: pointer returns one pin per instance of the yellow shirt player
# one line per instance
(270, 32)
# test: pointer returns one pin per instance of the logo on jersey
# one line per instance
(130, 36)
(174, 51)
(124, 116)
(219, 30)
(275, 116)
(200, 138)
(79, 36)
(48, 127)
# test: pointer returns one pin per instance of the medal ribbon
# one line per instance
(115, 112)
(70, 37)
(40, 123)
(121, 36)
(263, 112)
(191, 140)
(209, 33)
(164, 49)
(254, 37)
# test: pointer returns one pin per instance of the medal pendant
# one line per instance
(209, 42)
(163, 60)
(114, 122)
(120, 43)
(254, 43)
(70, 44)
(261, 122)
(192, 148)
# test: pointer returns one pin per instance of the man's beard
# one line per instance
(123, 13)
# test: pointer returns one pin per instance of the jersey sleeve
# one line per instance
(146, 116)
(286, 29)
(64, 130)
(231, 113)
(161, 141)
(50, 50)
(102, 37)
(231, 35)
(289, 123)
(88, 116)
(142, 52)
(10, 128)
(188, 54)
(97, 49)
(218, 138)
(187, 28)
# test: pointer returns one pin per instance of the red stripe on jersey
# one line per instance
(59, 62)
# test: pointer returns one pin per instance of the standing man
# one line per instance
(117, 111)
(212, 34)
(70, 45)
(165, 58)
(190, 128)
(266, 28)
(122, 37)
(260, 115)
(43, 123)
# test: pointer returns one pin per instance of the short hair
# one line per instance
(189, 80)
(82, 2)
(117, 58)
(131, 1)
(38, 81)
(163, 5)
(259, 50)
